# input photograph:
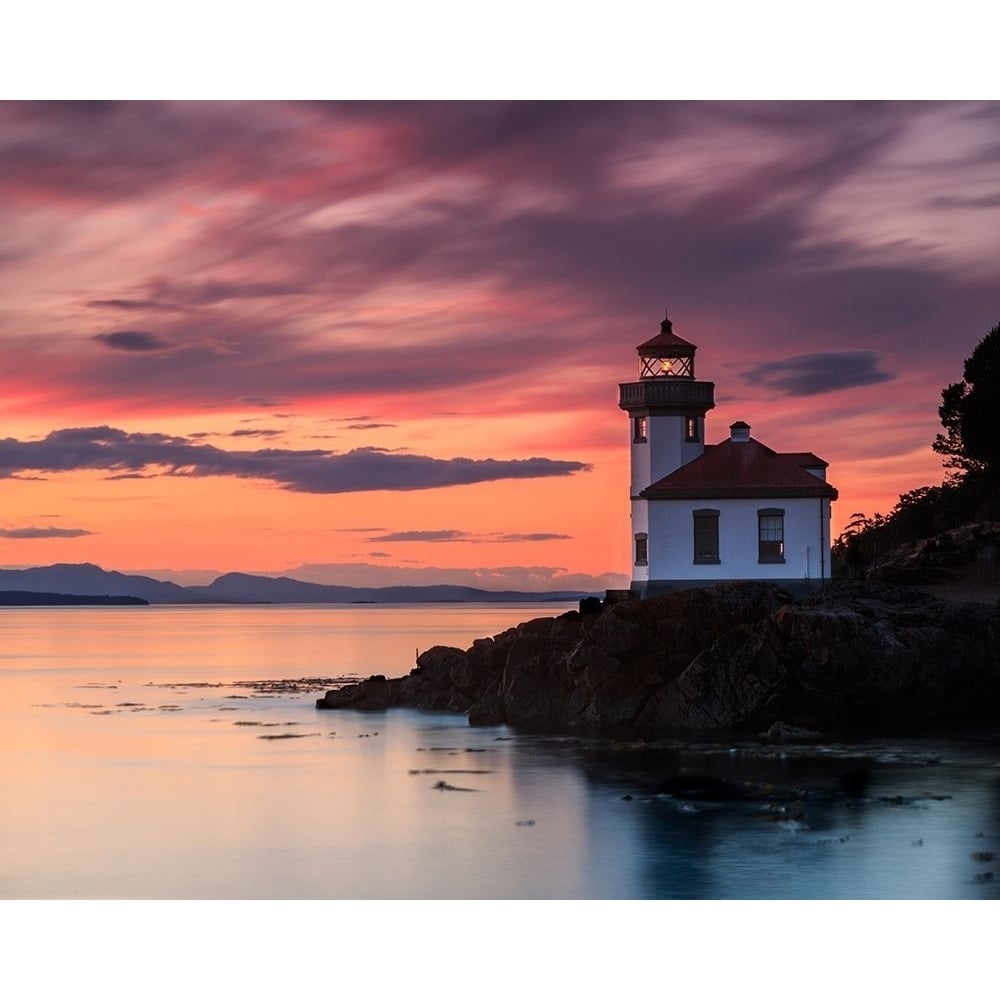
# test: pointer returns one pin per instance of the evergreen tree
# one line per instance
(970, 413)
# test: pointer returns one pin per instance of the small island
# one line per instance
(28, 598)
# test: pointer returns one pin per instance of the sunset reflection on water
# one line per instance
(141, 762)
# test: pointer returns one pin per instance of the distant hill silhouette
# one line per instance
(91, 580)
(243, 588)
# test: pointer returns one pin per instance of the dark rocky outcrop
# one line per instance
(733, 656)
(967, 553)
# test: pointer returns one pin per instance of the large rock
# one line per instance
(725, 657)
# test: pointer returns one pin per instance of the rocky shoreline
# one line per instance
(736, 657)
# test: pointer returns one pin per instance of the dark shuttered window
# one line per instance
(641, 549)
(706, 536)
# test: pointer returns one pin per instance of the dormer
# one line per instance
(740, 431)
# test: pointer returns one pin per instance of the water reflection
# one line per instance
(910, 819)
(139, 763)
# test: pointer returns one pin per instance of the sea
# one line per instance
(176, 753)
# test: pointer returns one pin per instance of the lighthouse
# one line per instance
(703, 513)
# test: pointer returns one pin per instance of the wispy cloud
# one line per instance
(263, 401)
(442, 535)
(203, 293)
(965, 201)
(534, 536)
(131, 305)
(456, 535)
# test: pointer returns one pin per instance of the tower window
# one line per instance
(641, 549)
(770, 535)
(706, 536)
(639, 429)
(691, 429)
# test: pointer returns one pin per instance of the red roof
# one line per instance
(666, 338)
(742, 469)
(804, 458)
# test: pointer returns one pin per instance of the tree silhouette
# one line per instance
(970, 413)
(857, 549)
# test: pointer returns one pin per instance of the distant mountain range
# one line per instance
(85, 579)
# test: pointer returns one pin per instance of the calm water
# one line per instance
(141, 759)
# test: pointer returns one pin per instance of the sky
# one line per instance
(376, 342)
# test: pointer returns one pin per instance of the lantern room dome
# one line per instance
(666, 355)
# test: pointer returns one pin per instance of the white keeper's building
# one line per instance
(703, 513)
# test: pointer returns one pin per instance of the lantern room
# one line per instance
(666, 355)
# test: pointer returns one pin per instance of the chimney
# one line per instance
(739, 431)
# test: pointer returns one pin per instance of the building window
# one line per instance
(639, 429)
(771, 535)
(706, 536)
(641, 549)
(691, 429)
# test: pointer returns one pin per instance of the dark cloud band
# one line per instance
(811, 374)
(43, 532)
(131, 340)
(361, 470)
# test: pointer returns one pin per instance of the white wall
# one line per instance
(640, 464)
(663, 451)
(671, 540)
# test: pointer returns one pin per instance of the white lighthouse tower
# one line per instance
(667, 407)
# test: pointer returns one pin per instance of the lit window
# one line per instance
(691, 429)
(641, 549)
(706, 536)
(640, 429)
(771, 535)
